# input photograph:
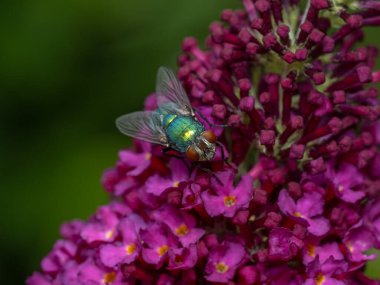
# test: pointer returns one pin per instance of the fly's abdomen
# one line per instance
(182, 131)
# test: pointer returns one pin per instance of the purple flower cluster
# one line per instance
(299, 202)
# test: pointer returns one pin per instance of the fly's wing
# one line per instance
(146, 126)
(172, 98)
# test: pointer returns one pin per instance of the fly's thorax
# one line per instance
(203, 148)
(182, 132)
(168, 119)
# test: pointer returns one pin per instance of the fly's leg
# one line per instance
(181, 158)
(208, 122)
(224, 158)
(222, 151)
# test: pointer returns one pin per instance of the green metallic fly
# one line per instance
(173, 124)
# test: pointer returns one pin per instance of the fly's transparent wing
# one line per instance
(172, 98)
(146, 126)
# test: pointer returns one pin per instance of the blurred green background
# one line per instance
(67, 70)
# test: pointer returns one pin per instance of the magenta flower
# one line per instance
(103, 228)
(358, 241)
(326, 272)
(91, 274)
(126, 251)
(345, 181)
(180, 224)
(307, 209)
(283, 245)
(191, 196)
(157, 184)
(323, 253)
(227, 199)
(63, 251)
(136, 162)
(157, 242)
(298, 200)
(371, 219)
(223, 261)
(183, 258)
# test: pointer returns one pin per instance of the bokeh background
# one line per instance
(67, 70)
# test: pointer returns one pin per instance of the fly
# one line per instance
(173, 124)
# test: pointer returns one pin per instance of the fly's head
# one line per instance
(203, 148)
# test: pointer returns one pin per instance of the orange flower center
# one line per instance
(130, 248)
(109, 278)
(310, 250)
(229, 201)
(349, 246)
(148, 156)
(162, 250)
(182, 230)
(221, 267)
(297, 214)
(176, 184)
(320, 279)
(109, 234)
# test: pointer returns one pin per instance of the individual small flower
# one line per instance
(128, 249)
(283, 245)
(371, 219)
(358, 241)
(136, 163)
(109, 178)
(181, 224)
(91, 274)
(228, 199)
(345, 180)
(70, 274)
(307, 209)
(326, 272)
(191, 196)
(183, 258)
(157, 184)
(344, 216)
(103, 228)
(124, 186)
(157, 241)
(62, 252)
(71, 230)
(223, 261)
(323, 253)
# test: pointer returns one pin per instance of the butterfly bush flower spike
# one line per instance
(287, 194)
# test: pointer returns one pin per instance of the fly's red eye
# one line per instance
(209, 136)
(192, 154)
